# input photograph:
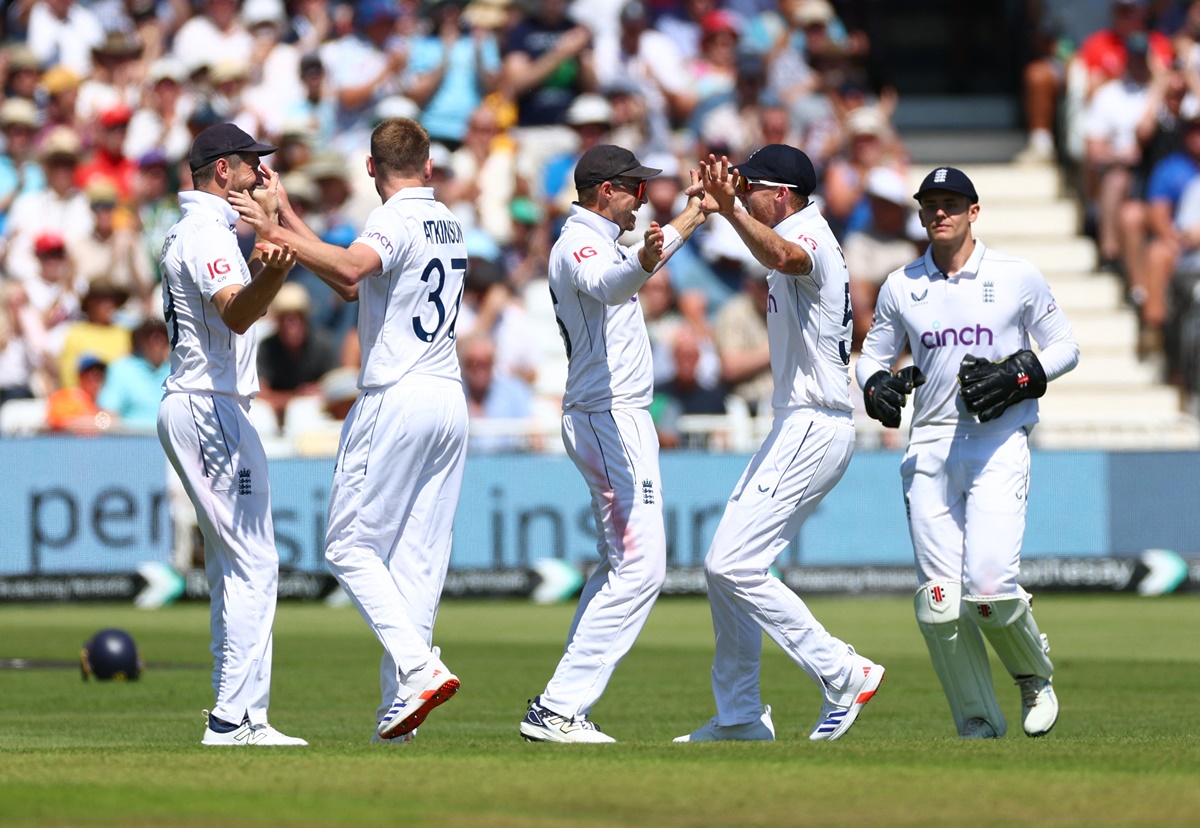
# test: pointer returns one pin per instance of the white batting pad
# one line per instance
(959, 657)
(1007, 621)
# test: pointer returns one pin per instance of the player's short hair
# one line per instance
(400, 147)
(588, 196)
(204, 175)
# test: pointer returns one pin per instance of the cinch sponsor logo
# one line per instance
(966, 335)
(383, 240)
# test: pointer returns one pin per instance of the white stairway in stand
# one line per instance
(1111, 400)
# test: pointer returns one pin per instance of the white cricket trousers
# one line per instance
(617, 454)
(800, 462)
(391, 514)
(966, 500)
(219, 457)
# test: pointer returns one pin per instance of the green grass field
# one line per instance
(1125, 752)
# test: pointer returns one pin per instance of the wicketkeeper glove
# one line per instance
(989, 388)
(886, 393)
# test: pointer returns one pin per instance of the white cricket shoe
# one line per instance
(837, 716)
(424, 690)
(1039, 705)
(978, 729)
(543, 725)
(761, 729)
(248, 735)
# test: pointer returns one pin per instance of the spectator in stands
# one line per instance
(315, 112)
(161, 122)
(487, 162)
(684, 393)
(526, 257)
(880, 247)
(64, 31)
(74, 409)
(212, 35)
(491, 395)
(547, 64)
(157, 205)
(22, 72)
(1104, 54)
(450, 70)
(740, 333)
(339, 390)
(664, 317)
(490, 306)
(274, 82)
(19, 170)
(590, 116)
(97, 333)
(21, 354)
(51, 292)
(61, 208)
(292, 361)
(327, 311)
(1112, 151)
(683, 24)
(133, 386)
(115, 78)
(114, 251)
(647, 60)
(1168, 181)
(845, 180)
(330, 219)
(108, 161)
(61, 86)
(712, 73)
(364, 66)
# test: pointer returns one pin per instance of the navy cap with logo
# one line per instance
(780, 164)
(950, 179)
(606, 162)
(220, 140)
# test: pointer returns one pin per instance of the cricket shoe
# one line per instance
(424, 690)
(376, 739)
(248, 735)
(543, 725)
(837, 716)
(761, 729)
(978, 729)
(1039, 705)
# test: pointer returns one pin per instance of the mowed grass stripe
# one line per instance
(1125, 752)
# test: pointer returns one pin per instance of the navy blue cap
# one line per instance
(948, 178)
(781, 164)
(606, 162)
(220, 140)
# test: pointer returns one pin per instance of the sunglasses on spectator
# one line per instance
(638, 188)
(743, 184)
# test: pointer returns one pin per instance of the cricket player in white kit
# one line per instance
(801, 460)
(400, 460)
(210, 300)
(607, 428)
(967, 313)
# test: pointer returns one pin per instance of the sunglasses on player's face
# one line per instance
(638, 187)
(743, 184)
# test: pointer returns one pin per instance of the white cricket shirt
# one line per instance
(988, 309)
(808, 320)
(200, 257)
(407, 314)
(594, 283)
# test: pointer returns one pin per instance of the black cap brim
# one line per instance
(641, 171)
(257, 147)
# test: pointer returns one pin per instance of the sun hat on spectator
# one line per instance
(813, 12)
(166, 68)
(887, 184)
(292, 298)
(105, 288)
(20, 56)
(300, 187)
(368, 12)
(866, 120)
(589, 109)
(62, 142)
(119, 44)
(155, 157)
(48, 241)
(258, 12)
(228, 69)
(18, 111)
(115, 116)
(59, 79)
(486, 14)
(397, 106)
(90, 361)
(326, 165)
(717, 21)
(101, 193)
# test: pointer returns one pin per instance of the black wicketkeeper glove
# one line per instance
(885, 393)
(989, 388)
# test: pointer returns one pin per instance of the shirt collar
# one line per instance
(969, 270)
(198, 201)
(595, 221)
(801, 216)
(411, 193)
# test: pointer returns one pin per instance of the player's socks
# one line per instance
(220, 725)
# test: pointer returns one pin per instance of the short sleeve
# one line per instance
(214, 261)
(385, 233)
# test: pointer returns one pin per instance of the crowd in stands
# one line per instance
(1117, 83)
(101, 99)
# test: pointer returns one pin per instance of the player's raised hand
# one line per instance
(253, 213)
(718, 182)
(277, 256)
(706, 203)
(267, 193)
(652, 251)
